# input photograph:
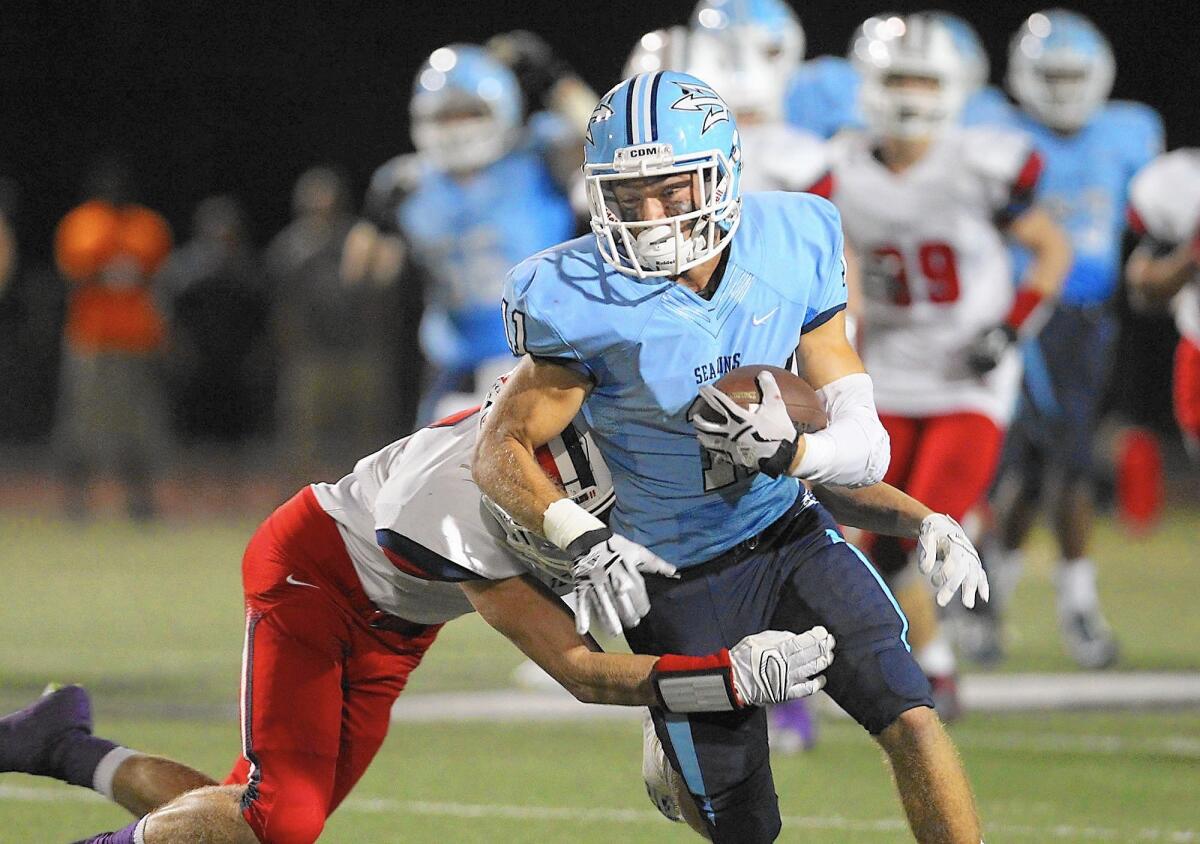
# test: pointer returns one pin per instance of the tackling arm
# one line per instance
(1051, 262)
(880, 508)
(767, 667)
(1157, 277)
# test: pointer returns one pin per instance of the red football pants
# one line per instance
(318, 681)
(1187, 389)
(945, 462)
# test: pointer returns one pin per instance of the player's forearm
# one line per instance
(1158, 279)
(507, 472)
(880, 509)
(616, 679)
(1051, 251)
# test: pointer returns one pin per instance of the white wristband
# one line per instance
(565, 521)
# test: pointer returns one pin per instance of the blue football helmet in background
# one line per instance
(1060, 68)
(465, 110)
(656, 125)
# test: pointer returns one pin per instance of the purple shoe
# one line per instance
(30, 737)
(792, 726)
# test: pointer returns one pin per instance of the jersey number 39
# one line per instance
(938, 269)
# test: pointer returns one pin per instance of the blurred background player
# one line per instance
(1061, 70)
(1164, 211)
(110, 412)
(483, 190)
(333, 334)
(214, 288)
(823, 93)
(927, 205)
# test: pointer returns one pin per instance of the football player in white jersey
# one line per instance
(1164, 209)
(927, 205)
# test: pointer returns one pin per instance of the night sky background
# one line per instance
(204, 98)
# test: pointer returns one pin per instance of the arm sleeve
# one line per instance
(853, 449)
(829, 291)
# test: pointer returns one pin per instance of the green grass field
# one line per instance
(150, 620)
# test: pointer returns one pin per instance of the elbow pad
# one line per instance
(853, 449)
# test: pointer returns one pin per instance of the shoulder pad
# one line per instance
(791, 159)
(391, 184)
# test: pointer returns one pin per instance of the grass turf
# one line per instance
(150, 619)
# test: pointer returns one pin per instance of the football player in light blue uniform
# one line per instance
(481, 193)
(823, 96)
(1061, 71)
(683, 280)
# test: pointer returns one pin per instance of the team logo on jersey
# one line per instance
(602, 111)
(701, 98)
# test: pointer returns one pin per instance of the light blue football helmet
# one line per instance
(748, 49)
(1060, 68)
(975, 57)
(655, 125)
(465, 110)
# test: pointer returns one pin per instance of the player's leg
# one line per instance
(1080, 349)
(723, 757)
(930, 778)
(954, 463)
(876, 680)
(52, 737)
(1187, 394)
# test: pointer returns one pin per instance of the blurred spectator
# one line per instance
(216, 293)
(110, 405)
(332, 334)
(31, 314)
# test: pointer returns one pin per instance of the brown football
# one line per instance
(802, 403)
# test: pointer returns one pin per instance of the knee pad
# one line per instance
(748, 813)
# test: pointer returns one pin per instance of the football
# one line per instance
(803, 406)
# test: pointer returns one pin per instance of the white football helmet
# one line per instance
(465, 109)
(660, 49)
(747, 50)
(1060, 68)
(573, 461)
(892, 48)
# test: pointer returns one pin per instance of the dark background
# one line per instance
(219, 97)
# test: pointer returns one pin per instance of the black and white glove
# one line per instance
(762, 439)
(986, 350)
(946, 555)
(763, 668)
(609, 587)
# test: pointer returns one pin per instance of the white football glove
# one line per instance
(776, 665)
(762, 439)
(609, 586)
(946, 555)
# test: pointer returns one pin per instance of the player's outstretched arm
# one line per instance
(944, 551)
(768, 667)
(1156, 278)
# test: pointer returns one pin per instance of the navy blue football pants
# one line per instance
(799, 573)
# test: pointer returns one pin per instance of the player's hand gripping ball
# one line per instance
(754, 415)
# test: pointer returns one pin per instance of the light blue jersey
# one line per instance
(467, 234)
(822, 97)
(648, 344)
(1085, 185)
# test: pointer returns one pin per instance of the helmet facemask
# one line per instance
(675, 243)
(910, 111)
(458, 132)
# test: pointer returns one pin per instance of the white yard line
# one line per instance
(388, 806)
(980, 693)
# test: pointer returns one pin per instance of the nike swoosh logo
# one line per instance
(292, 580)
(759, 320)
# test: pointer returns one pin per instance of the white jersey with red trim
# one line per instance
(936, 271)
(776, 156)
(420, 488)
(1165, 198)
